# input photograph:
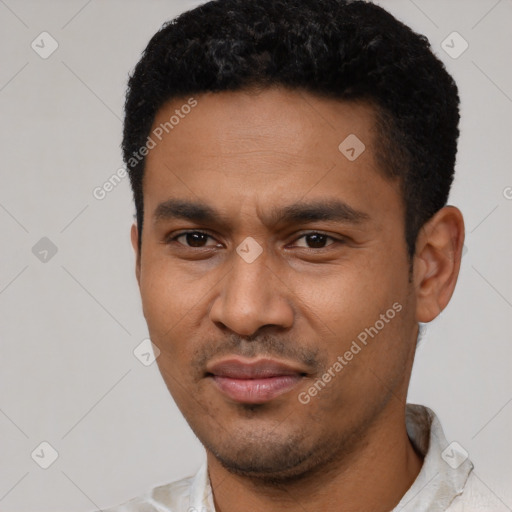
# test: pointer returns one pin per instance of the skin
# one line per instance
(303, 300)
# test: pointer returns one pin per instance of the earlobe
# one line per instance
(134, 234)
(437, 262)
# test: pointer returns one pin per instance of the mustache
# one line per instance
(265, 345)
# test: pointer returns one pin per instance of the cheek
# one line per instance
(164, 298)
(366, 304)
(349, 296)
(174, 304)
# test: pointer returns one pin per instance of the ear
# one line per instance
(135, 244)
(437, 262)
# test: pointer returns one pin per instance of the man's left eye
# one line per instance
(316, 240)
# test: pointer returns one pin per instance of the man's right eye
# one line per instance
(192, 239)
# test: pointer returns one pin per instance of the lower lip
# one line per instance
(256, 391)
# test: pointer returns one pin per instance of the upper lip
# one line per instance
(240, 368)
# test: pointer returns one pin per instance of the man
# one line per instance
(291, 163)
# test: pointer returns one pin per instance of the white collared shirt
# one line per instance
(446, 481)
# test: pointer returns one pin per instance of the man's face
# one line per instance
(245, 334)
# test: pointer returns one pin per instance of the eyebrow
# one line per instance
(300, 212)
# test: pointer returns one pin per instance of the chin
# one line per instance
(269, 462)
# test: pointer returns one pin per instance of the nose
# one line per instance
(252, 296)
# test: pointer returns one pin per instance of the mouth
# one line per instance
(252, 381)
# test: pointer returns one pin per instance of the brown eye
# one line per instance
(315, 240)
(193, 238)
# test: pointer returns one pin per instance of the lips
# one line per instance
(254, 381)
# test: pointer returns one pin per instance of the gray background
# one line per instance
(69, 324)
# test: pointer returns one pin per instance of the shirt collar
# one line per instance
(445, 469)
(441, 479)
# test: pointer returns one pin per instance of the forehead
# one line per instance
(271, 146)
(281, 120)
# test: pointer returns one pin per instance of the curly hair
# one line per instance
(340, 49)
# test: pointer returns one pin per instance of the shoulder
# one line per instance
(477, 496)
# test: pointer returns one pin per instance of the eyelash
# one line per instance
(174, 238)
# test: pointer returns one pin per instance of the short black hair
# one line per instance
(341, 49)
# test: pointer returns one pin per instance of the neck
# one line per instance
(373, 478)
